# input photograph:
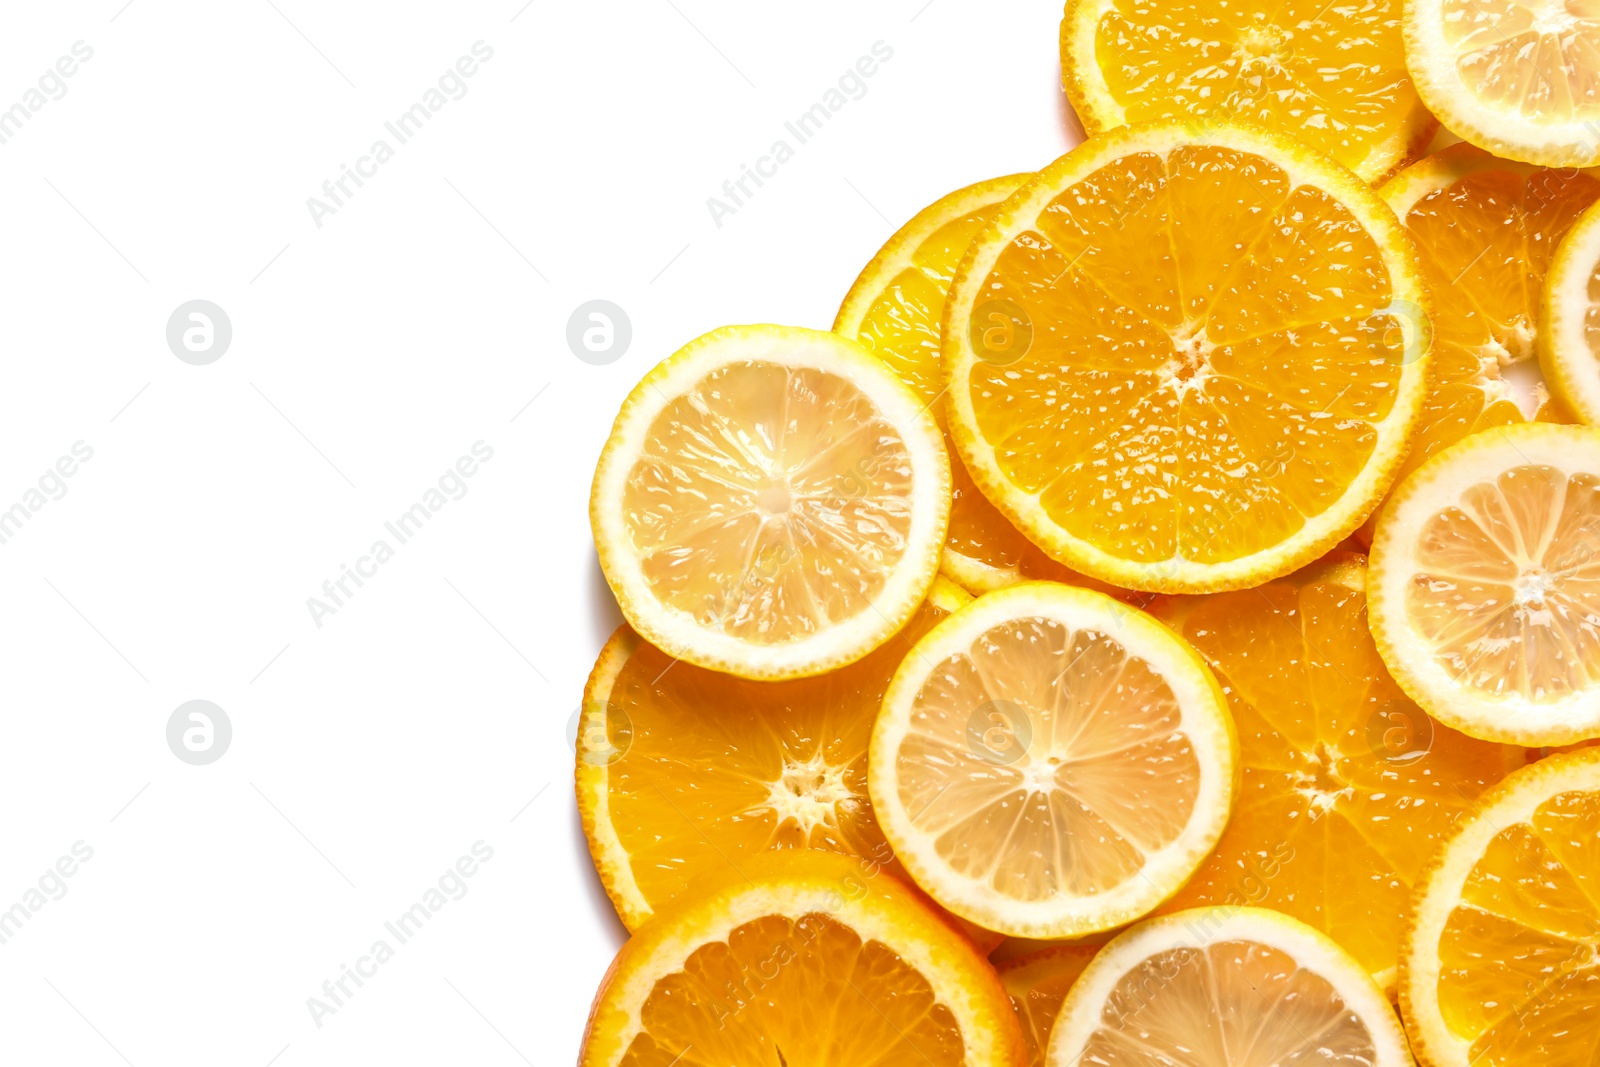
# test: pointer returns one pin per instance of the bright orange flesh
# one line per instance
(1520, 955)
(1486, 241)
(1348, 785)
(1037, 984)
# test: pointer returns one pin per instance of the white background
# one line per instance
(428, 712)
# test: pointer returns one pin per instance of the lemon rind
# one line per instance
(1570, 368)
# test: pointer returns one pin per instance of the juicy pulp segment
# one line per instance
(805, 992)
(1235, 367)
(1535, 58)
(1348, 785)
(771, 502)
(1519, 955)
(1037, 986)
(1104, 775)
(1333, 77)
(1507, 590)
(1228, 1004)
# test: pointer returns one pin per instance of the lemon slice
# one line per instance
(894, 310)
(1500, 966)
(1484, 587)
(1516, 77)
(1569, 319)
(1332, 75)
(684, 772)
(1038, 984)
(1049, 762)
(1223, 987)
(1223, 356)
(808, 959)
(770, 503)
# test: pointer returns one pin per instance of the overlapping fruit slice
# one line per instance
(771, 502)
(1333, 76)
(1050, 762)
(1212, 359)
(894, 310)
(805, 959)
(1224, 987)
(1501, 966)
(1037, 985)
(1348, 785)
(1485, 584)
(685, 773)
(1569, 319)
(1486, 229)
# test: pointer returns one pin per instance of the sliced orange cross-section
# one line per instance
(1037, 984)
(1215, 352)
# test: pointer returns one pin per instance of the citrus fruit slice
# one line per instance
(1569, 319)
(684, 772)
(1050, 762)
(1332, 76)
(1222, 987)
(1208, 385)
(804, 961)
(1037, 984)
(1348, 785)
(770, 502)
(1485, 584)
(1517, 77)
(894, 310)
(1486, 229)
(1500, 966)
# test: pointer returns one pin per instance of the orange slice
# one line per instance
(1501, 965)
(894, 310)
(685, 773)
(1334, 76)
(1211, 384)
(1050, 762)
(1348, 785)
(1223, 987)
(807, 958)
(770, 503)
(1037, 985)
(1485, 584)
(1569, 319)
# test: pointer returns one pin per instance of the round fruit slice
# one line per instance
(1569, 319)
(1348, 785)
(1500, 966)
(683, 771)
(1486, 229)
(894, 310)
(1332, 76)
(1050, 762)
(1217, 356)
(1221, 987)
(1485, 584)
(1037, 985)
(1517, 77)
(808, 958)
(770, 503)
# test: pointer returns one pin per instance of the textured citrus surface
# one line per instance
(1486, 230)
(1049, 762)
(1485, 584)
(1517, 77)
(807, 960)
(1221, 987)
(1569, 319)
(770, 502)
(1348, 785)
(1333, 76)
(894, 310)
(1215, 386)
(1501, 967)
(684, 772)
(1037, 984)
